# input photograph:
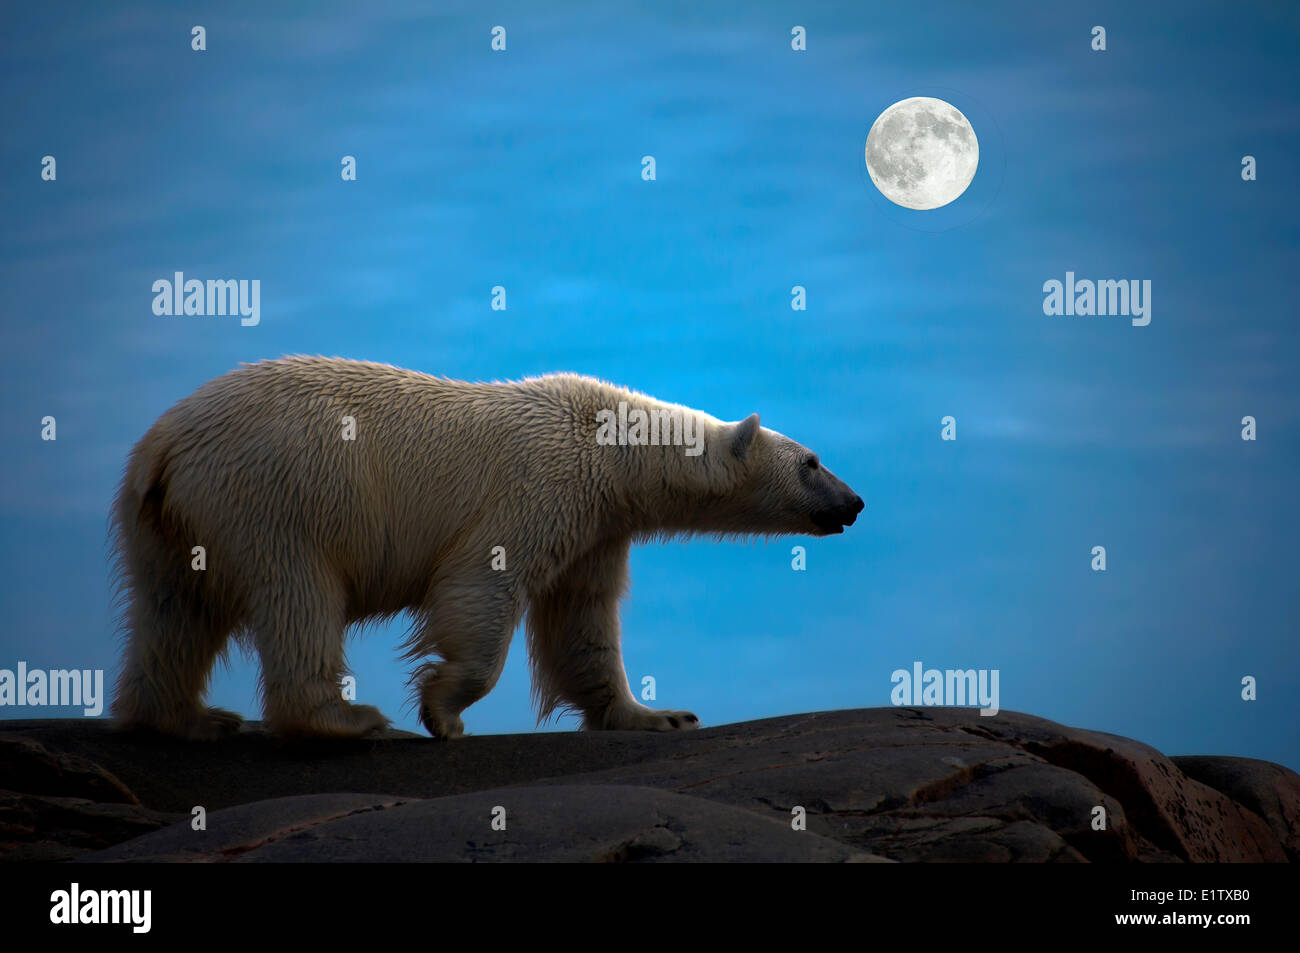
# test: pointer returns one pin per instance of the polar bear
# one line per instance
(326, 492)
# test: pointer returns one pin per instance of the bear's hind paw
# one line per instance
(198, 724)
(218, 723)
(335, 720)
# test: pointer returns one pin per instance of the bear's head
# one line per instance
(785, 484)
(751, 480)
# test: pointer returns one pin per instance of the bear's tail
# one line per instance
(138, 507)
(154, 590)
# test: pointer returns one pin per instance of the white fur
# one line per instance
(307, 533)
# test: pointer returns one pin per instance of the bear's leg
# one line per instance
(171, 646)
(574, 639)
(298, 629)
(467, 620)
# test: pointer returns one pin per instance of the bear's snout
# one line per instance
(849, 515)
(834, 519)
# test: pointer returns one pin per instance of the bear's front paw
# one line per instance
(441, 727)
(640, 718)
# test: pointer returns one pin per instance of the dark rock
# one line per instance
(37, 827)
(904, 784)
(235, 831)
(27, 765)
(1173, 813)
(578, 823)
(1267, 789)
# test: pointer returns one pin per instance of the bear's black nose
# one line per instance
(851, 511)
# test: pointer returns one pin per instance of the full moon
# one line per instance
(922, 153)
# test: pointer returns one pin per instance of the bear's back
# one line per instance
(355, 455)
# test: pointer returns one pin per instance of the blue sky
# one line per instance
(522, 169)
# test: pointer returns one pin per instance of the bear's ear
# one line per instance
(743, 434)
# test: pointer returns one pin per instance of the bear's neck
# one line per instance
(658, 460)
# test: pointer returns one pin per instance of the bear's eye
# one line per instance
(811, 461)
